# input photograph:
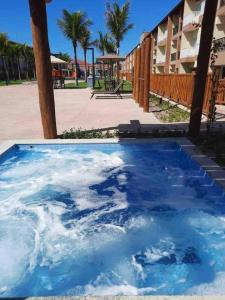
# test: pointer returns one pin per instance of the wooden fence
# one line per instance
(179, 88)
(126, 76)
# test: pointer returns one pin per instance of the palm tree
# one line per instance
(4, 44)
(85, 42)
(25, 51)
(64, 56)
(11, 59)
(117, 21)
(73, 26)
(16, 52)
(105, 44)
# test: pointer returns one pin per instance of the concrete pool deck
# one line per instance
(20, 115)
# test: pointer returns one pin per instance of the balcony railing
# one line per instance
(189, 52)
(192, 18)
(173, 56)
(161, 60)
(175, 29)
(162, 37)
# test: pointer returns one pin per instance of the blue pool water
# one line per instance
(109, 219)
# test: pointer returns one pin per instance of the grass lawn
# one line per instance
(127, 86)
(10, 82)
(81, 85)
(167, 112)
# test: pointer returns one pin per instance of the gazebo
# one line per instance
(111, 60)
(44, 76)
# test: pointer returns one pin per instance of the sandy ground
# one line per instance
(20, 115)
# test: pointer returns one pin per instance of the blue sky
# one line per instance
(145, 14)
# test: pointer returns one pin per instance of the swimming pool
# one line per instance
(122, 218)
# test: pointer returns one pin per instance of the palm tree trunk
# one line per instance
(12, 68)
(85, 63)
(18, 68)
(118, 63)
(27, 72)
(6, 71)
(75, 59)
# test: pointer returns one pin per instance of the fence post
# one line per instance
(147, 72)
(138, 73)
(142, 74)
(202, 66)
(135, 75)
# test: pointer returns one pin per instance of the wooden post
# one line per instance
(43, 67)
(135, 74)
(202, 66)
(141, 78)
(147, 72)
(138, 74)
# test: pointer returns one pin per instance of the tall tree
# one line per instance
(25, 51)
(105, 44)
(73, 26)
(17, 50)
(117, 21)
(85, 42)
(4, 44)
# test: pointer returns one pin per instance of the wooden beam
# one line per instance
(43, 67)
(141, 78)
(202, 66)
(138, 74)
(135, 75)
(147, 72)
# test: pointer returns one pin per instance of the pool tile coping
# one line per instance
(212, 168)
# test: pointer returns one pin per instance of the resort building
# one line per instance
(176, 40)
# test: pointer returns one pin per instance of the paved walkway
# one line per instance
(20, 116)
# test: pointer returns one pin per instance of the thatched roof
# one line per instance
(56, 60)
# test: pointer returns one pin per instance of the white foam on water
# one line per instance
(38, 229)
(70, 172)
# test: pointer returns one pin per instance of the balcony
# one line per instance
(162, 37)
(175, 29)
(161, 60)
(173, 56)
(192, 18)
(190, 52)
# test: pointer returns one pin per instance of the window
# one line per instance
(223, 72)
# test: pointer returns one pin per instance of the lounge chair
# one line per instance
(116, 91)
